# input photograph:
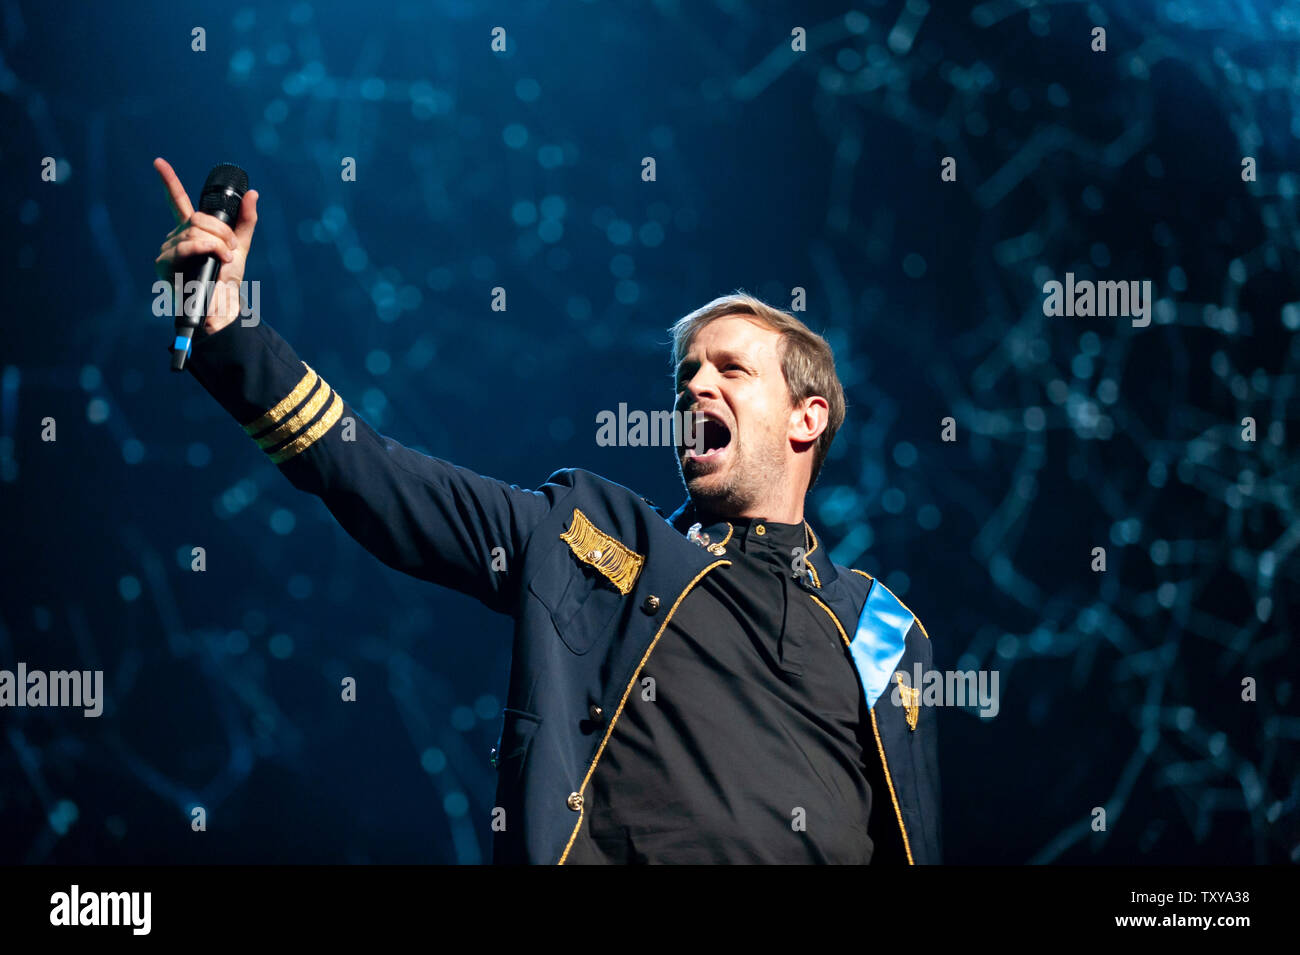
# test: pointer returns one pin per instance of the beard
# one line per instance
(753, 473)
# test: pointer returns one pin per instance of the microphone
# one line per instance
(222, 194)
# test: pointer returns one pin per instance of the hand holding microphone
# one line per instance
(210, 247)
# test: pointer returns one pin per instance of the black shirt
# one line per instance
(744, 745)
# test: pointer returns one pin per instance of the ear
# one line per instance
(808, 419)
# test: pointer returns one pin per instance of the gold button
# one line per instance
(717, 550)
(575, 801)
(650, 604)
(596, 713)
(760, 530)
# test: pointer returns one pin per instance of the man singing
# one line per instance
(701, 688)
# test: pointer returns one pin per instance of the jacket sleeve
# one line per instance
(418, 514)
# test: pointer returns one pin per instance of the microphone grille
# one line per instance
(224, 179)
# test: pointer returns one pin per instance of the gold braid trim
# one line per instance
(287, 404)
(308, 437)
(893, 796)
(593, 546)
(292, 426)
(817, 581)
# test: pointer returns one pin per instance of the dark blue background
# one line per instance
(775, 170)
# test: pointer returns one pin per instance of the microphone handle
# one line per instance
(195, 308)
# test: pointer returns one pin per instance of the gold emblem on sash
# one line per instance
(911, 697)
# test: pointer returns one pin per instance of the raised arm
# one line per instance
(418, 514)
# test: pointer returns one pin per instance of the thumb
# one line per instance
(247, 219)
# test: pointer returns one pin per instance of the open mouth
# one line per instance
(711, 437)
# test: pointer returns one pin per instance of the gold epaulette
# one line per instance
(593, 546)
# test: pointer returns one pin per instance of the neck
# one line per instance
(783, 512)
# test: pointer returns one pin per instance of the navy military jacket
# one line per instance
(591, 574)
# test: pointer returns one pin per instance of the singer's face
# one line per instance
(730, 383)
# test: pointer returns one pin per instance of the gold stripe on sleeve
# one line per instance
(310, 436)
(287, 404)
(291, 426)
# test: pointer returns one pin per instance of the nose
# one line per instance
(702, 385)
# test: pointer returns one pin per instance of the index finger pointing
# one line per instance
(180, 202)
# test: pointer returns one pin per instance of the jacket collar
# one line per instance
(818, 555)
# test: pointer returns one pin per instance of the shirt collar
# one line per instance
(722, 535)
